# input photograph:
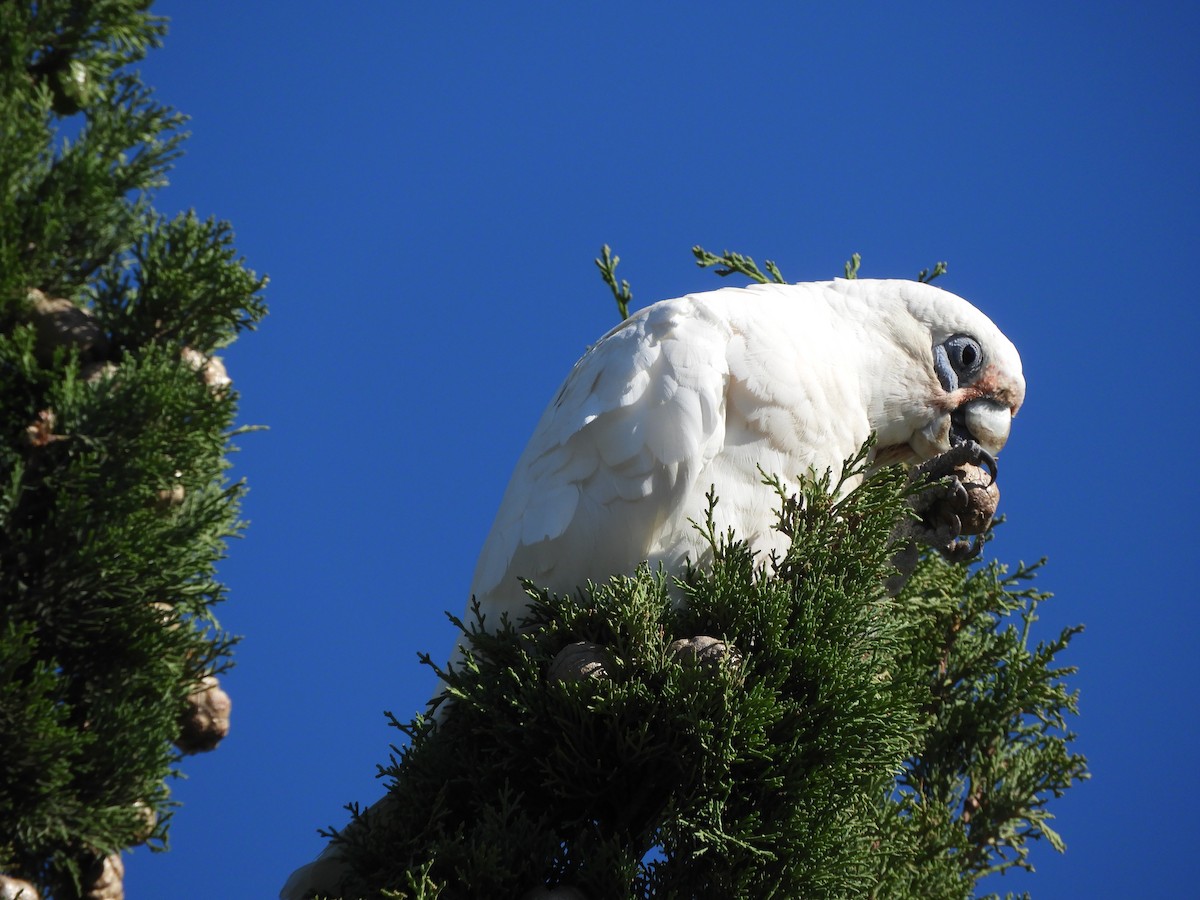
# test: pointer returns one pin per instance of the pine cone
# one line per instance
(71, 88)
(41, 431)
(703, 650)
(105, 879)
(60, 323)
(579, 662)
(16, 889)
(98, 371)
(983, 496)
(206, 721)
(166, 613)
(169, 498)
(211, 369)
(149, 822)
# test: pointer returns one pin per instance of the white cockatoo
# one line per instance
(705, 391)
(709, 391)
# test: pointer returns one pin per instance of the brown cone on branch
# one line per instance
(171, 497)
(206, 720)
(17, 889)
(211, 369)
(105, 879)
(705, 651)
(58, 322)
(40, 432)
(166, 614)
(149, 821)
(98, 371)
(580, 661)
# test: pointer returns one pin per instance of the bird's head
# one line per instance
(958, 378)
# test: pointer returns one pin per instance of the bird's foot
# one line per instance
(952, 500)
(966, 452)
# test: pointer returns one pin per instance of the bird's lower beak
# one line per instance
(984, 421)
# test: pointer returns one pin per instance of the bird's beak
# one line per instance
(982, 420)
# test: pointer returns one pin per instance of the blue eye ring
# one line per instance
(957, 360)
(965, 355)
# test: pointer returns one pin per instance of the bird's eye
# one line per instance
(966, 356)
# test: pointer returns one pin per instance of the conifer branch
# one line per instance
(927, 275)
(729, 263)
(607, 264)
(851, 267)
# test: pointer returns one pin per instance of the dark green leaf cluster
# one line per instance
(927, 275)
(607, 264)
(182, 284)
(995, 744)
(742, 777)
(114, 436)
(82, 138)
(852, 266)
(729, 263)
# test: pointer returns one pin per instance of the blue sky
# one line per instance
(427, 185)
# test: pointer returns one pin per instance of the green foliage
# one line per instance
(729, 263)
(995, 748)
(740, 779)
(927, 275)
(852, 266)
(114, 503)
(830, 755)
(607, 264)
(725, 264)
(181, 283)
(70, 204)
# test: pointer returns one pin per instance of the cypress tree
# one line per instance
(115, 424)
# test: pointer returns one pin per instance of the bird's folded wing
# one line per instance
(638, 417)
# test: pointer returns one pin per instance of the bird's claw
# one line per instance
(960, 550)
(963, 453)
(942, 500)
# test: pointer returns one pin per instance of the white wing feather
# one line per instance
(634, 419)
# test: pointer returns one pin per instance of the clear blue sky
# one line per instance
(427, 184)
